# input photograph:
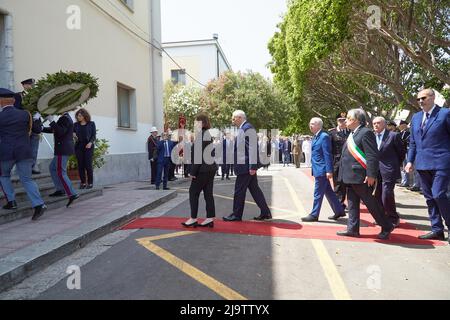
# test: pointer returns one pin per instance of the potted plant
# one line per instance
(101, 147)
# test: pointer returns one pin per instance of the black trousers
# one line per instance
(204, 182)
(339, 187)
(85, 164)
(244, 182)
(385, 194)
(358, 192)
(154, 170)
(172, 167)
(225, 170)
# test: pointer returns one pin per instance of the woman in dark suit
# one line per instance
(203, 172)
(85, 136)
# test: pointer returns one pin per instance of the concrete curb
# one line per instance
(23, 263)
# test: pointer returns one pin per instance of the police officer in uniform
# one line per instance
(64, 147)
(15, 149)
(36, 130)
(27, 85)
(339, 136)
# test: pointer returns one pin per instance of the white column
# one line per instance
(156, 64)
(9, 52)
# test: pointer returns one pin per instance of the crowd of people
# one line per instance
(20, 136)
(354, 162)
(359, 161)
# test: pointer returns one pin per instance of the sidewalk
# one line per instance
(27, 247)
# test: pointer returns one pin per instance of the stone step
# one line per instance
(21, 195)
(38, 178)
(26, 211)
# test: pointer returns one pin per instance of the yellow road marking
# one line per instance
(334, 279)
(167, 236)
(196, 274)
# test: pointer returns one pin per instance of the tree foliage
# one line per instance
(266, 106)
(330, 58)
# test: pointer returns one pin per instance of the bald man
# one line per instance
(429, 153)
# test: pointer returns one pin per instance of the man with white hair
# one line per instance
(359, 172)
(322, 170)
(391, 156)
(152, 147)
(246, 166)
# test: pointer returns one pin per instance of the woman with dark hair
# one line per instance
(85, 136)
(203, 171)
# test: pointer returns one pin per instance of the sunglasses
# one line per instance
(422, 99)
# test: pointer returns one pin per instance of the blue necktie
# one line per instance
(167, 149)
(380, 139)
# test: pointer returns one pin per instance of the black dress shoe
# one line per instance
(192, 225)
(57, 194)
(415, 189)
(35, 172)
(384, 235)
(207, 225)
(89, 187)
(396, 224)
(433, 236)
(310, 218)
(38, 212)
(11, 205)
(337, 216)
(262, 218)
(347, 233)
(231, 218)
(166, 188)
(72, 199)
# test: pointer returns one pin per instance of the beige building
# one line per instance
(203, 60)
(110, 40)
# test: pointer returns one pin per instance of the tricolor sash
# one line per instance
(356, 152)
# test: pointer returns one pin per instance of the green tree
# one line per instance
(181, 100)
(266, 106)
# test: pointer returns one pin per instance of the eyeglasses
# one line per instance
(422, 99)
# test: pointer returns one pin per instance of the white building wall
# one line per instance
(200, 61)
(43, 44)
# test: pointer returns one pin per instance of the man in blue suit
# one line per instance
(429, 152)
(322, 170)
(15, 149)
(165, 147)
(392, 154)
(246, 166)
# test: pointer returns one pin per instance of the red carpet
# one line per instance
(286, 230)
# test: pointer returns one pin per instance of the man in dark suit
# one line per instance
(339, 136)
(152, 147)
(287, 149)
(62, 131)
(165, 147)
(404, 136)
(246, 166)
(429, 152)
(322, 171)
(359, 171)
(392, 155)
(15, 150)
(227, 156)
